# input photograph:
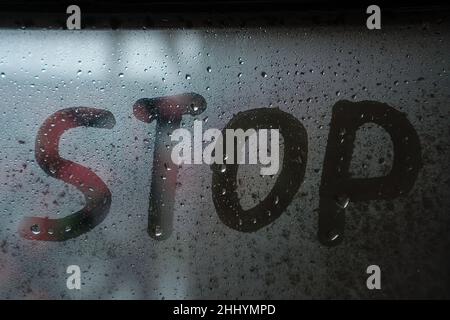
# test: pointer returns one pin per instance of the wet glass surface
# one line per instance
(303, 71)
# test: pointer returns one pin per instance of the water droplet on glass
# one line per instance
(342, 201)
(35, 229)
(158, 231)
(333, 235)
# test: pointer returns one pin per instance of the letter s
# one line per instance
(95, 191)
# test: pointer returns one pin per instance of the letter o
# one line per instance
(289, 180)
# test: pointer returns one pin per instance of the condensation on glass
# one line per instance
(300, 70)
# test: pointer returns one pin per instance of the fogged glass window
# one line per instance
(79, 88)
